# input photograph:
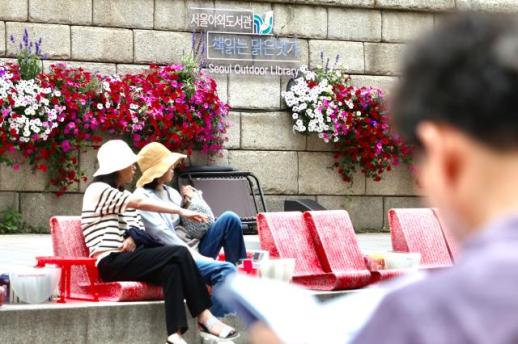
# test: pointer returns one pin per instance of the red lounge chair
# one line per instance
(336, 243)
(286, 235)
(419, 230)
(68, 241)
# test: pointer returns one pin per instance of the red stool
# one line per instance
(65, 263)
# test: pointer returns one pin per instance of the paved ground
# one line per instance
(20, 249)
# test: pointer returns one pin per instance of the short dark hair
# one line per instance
(152, 185)
(110, 179)
(464, 74)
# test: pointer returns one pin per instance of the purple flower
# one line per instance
(66, 146)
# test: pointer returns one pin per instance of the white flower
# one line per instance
(133, 106)
(57, 93)
(99, 106)
(295, 115)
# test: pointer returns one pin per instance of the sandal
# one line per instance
(176, 340)
(227, 332)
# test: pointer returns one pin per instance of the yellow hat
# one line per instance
(154, 159)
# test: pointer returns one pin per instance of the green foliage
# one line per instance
(29, 56)
(10, 221)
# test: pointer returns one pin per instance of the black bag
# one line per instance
(142, 238)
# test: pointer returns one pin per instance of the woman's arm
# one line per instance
(143, 203)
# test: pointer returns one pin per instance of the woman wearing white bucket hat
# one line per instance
(110, 213)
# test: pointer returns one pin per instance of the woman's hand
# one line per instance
(193, 215)
(128, 245)
(187, 191)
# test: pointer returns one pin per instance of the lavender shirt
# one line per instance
(476, 301)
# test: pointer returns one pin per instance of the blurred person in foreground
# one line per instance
(458, 103)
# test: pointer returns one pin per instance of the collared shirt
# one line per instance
(160, 225)
(475, 301)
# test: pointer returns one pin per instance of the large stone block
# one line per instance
(316, 144)
(435, 5)
(405, 26)
(222, 86)
(21, 179)
(161, 47)
(366, 212)
(37, 208)
(350, 54)
(2, 39)
(78, 12)
(13, 9)
(317, 176)
(294, 20)
(276, 202)
(277, 171)
(88, 164)
(399, 202)
(123, 69)
(399, 181)
(102, 44)
(93, 67)
(270, 130)
(488, 5)
(173, 15)
(55, 38)
(124, 13)
(386, 83)
(383, 58)
(354, 25)
(9, 200)
(254, 92)
(234, 132)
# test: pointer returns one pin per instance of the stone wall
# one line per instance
(122, 36)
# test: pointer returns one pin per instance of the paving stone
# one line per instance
(366, 212)
(253, 92)
(350, 54)
(55, 38)
(270, 130)
(37, 208)
(93, 67)
(161, 47)
(292, 20)
(276, 171)
(13, 9)
(77, 12)
(317, 176)
(399, 181)
(102, 44)
(124, 13)
(354, 25)
(383, 58)
(405, 26)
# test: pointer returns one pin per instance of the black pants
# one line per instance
(173, 268)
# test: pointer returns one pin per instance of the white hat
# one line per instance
(113, 156)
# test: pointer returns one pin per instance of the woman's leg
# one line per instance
(155, 265)
(214, 273)
(226, 232)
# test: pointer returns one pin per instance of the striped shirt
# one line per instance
(105, 218)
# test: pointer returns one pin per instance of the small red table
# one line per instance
(65, 263)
